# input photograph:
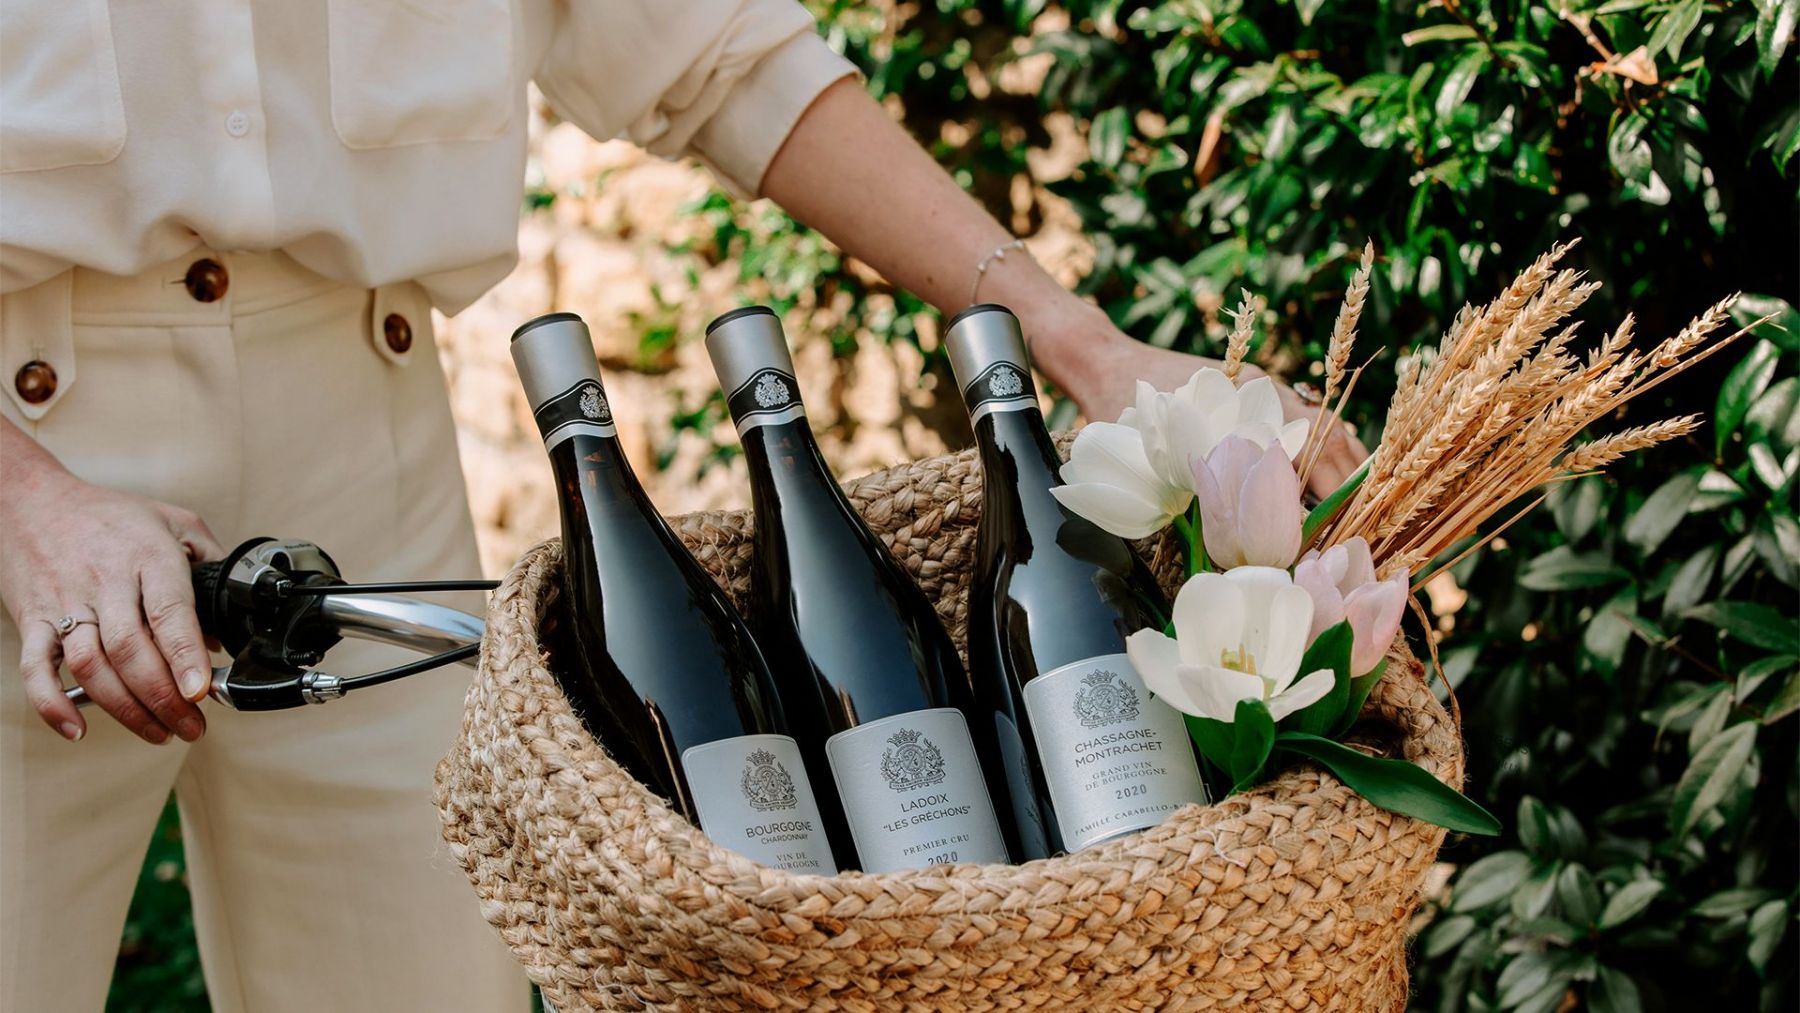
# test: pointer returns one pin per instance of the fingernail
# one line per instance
(72, 731)
(156, 736)
(193, 684)
(190, 728)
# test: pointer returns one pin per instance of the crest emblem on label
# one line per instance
(593, 403)
(911, 761)
(1105, 699)
(1005, 382)
(771, 391)
(766, 782)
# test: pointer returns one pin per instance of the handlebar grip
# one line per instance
(207, 577)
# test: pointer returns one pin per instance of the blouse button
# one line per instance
(398, 333)
(207, 281)
(36, 382)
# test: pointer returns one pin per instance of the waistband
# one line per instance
(200, 288)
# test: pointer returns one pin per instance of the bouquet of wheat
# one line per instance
(1281, 631)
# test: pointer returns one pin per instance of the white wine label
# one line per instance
(1116, 758)
(913, 792)
(580, 409)
(753, 797)
(770, 397)
(1002, 387)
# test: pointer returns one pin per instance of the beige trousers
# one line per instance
(319, 879)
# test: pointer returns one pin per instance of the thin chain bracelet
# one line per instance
(998, 253)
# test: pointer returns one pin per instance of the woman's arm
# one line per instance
(852, 173)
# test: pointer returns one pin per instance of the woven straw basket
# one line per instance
(1294, 896)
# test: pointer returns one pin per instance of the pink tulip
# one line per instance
(1343, 586)
(1249, 504)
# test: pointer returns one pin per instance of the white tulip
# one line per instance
(1239, 635)
(1134, 476)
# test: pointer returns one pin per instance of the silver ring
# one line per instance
(66, 625)
(1309, 395)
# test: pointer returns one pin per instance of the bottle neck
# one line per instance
(593, 470)
(1021, 464)
(785, 460)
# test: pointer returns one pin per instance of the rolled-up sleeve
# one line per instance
(722, 79)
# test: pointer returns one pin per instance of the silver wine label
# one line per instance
(753, 797)
(1116, 758)
(913, 792)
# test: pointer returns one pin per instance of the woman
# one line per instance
(222, 229)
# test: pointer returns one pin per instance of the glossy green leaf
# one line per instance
(1732, 902)
(1462, 77)
(1107, 136)
(1394, 785)
(1489, 880)
(1755, 624)
(1613, 991)
(1768, 924)
(1330, 505)
(1562, 569)
(1775, 24)
(1214, 738)
(1656, 519)
(1253, 737)
(1690, 583)
(1674, 27)
(1360, 688)
(1578, 894)
(1629, 901)
(1783, 330)
(1709, 775)
(1330, 651)
(1438, 33)
(1742, 387)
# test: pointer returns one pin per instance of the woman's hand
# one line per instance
(1113, 363)
(119, 564)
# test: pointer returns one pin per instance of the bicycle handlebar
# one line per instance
(278, 606)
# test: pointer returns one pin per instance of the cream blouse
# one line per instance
(374, 141)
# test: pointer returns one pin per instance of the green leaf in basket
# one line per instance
(1394, 785)
(1214, 739)
(1330, 651)
(1254, 731)
(1330, 505)
(1360, 688)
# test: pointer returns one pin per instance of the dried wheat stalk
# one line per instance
(1243, 320)
(1491, 414)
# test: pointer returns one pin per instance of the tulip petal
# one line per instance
(1302, 694)
(1216, 691)
(1374, 611)
(1218, 518)
(1157, 660)
(1115, 510)
(1209, 618)
(1290, 617)
(1358, 566)
(1314, 576)
(1259, 585)
(1258, 401)
(1269, 516)
(1293, 437)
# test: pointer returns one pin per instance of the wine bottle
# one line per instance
(1089, 754)
(879, 698)
(661, 670)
